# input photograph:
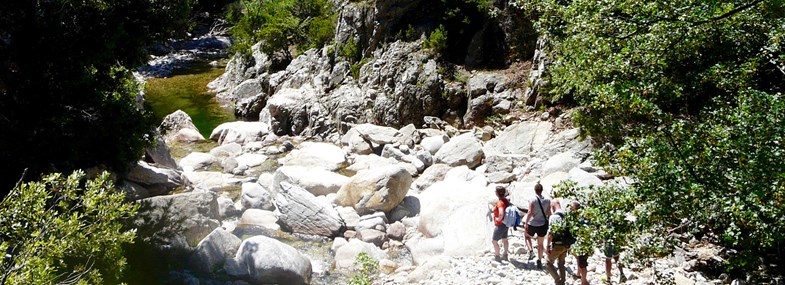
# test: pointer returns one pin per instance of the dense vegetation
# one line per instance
(281, 25)
(66, 93)
(68, 102)
(688, 97)
(63, 231)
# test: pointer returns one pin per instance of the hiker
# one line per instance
(537, 220)
(612, 251)
(583, 260)
(500, 231)
(557, 244)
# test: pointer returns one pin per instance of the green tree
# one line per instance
(64, 231)
(688, 95)
(66, 91)
(302, 24)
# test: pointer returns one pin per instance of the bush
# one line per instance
(366, 267)
(688, 98)
(302, 24)
(64, 230)
(437, 41)
(66, 92)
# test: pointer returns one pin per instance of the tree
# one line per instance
(64, 231)
(688, 97)
(67, 96)
(302, 24)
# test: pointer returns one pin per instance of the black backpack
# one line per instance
(564, 236)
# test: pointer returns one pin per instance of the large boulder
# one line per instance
(365, 162)
(159, 154)
(464, 175)
(346, 254)
(379, 189)
(173, 123)
(461, 150)
(368, 138)
(156, 180)
(459, 213)
(522, 138)
(263, 260)
(176, 223)
(255, 196)
(314, 154)
(304, 213)
(431, 175)
(196, 161)
(249, 97)
(584, 179)
(316, 180)
(209, 180)
(434, 143)
(239, 132)
(562, 162)
(259, 218)
(213, 251)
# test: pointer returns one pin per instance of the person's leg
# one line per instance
(540, 247)
(497, 235)
(583, 263)
(562, 270)
(583, 272)
(622, 277)
(506, 249)
(529, 247)
(549, 259)
(608, 268)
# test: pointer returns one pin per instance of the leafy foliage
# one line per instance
(303, 24)
(632, 64)
(64, 230)
(689, 96)
(366, 266)
(66, 94)
(437, 40)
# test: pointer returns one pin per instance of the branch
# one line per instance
(647, 25)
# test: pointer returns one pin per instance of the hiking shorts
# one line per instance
(500, 232)
(583, 261)
(610, 250)
(539, 230)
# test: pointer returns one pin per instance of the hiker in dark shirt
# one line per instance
(556, 243)
(583, 260)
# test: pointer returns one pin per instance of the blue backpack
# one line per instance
(511, 216)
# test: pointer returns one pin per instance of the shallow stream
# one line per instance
(187, 90)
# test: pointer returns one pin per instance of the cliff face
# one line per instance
(396, 82)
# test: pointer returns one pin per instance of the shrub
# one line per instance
(365, 267)
(302, 24)
(64, 230)
(437, 41)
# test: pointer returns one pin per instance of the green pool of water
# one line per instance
(187, 90)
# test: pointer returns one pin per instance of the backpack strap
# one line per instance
(543, 210)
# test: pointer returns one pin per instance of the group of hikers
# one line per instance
(543, 217)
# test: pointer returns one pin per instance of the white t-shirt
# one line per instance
(538, 218)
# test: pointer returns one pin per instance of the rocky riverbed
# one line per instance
(417, 200)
